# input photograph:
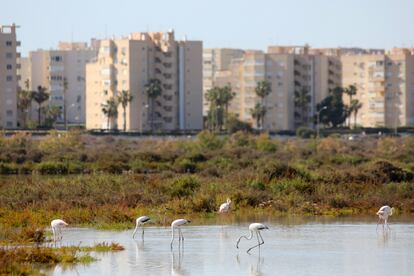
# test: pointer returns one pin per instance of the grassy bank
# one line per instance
(31, 260)
(107, 182)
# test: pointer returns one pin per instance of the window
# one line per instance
(9, 66)
(9, 43)
(9, 78)
(56, 58)
(78, 98)
(9, 112)
(9, 55)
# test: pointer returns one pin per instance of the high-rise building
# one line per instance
(9, 65)
(216, 63)
(385, 86)
(130, 63)
(289, 70)
(52, 68)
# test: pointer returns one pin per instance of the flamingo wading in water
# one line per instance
(177, 224)
(140, 222)
(225, 207)
(57, 225)
(383, 213)
(254, 227)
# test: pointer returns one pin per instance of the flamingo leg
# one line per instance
(261, 238)
(386, 223)
(379, 220)
(258, 243)
(142, 232)
(172, 237)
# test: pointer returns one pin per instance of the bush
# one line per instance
(388, 172)
(52, 168)
(7, 169)
(184, 186)
(280, 170)
(235, 125)
(305, 132)
(265, 144)
(185, 166)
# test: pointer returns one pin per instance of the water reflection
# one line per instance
(176, 264)
(255, 269)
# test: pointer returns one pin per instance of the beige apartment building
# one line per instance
(216, 64)
(385, 84)
(9, 65)
(129, 64)
(51, 68)
(288, 69)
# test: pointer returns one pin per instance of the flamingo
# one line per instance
(57, 225)
(225, 207)
(254, 227)
(177, 224)
(383, 213)
(140, 221)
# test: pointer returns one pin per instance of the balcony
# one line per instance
(18, 43)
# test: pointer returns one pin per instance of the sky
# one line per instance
(247, 24)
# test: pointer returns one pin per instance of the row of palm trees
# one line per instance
(110, 107)
(302, 102)
(26, 98)
(220, 99)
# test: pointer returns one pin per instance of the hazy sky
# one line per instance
(253, 24)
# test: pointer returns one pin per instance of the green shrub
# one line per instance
(184, 186)
(291, 185)
(276, 170)
(264, 143)
(257, 185)
(7, 168)
(185, 166)
(305, 132)
(50, 167)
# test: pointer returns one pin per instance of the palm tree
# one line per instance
(39, 97)
(226, 95)
(258, 113)
(213, 96)
(110, 109)
(65, 90)
(124, 99)
(263, 88)
(355, 106)
(302, 100)
(153, 90)
(350, 91)
(24, 101)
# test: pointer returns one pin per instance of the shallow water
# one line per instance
(334, 247)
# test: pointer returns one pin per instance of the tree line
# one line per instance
(332, 110)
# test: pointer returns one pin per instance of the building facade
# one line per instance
(216, 64)
(52, 69)
(385, 86)
(289, 70)
(130, 63)
(9, 66)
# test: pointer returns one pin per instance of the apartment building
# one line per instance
(287, 69)
(216, 63)
(385, 86)
(52, 68)
(9, 65)
(130, 63)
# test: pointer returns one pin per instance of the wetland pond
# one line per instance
(312, 246)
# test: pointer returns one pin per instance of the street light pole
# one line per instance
(318, 120)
